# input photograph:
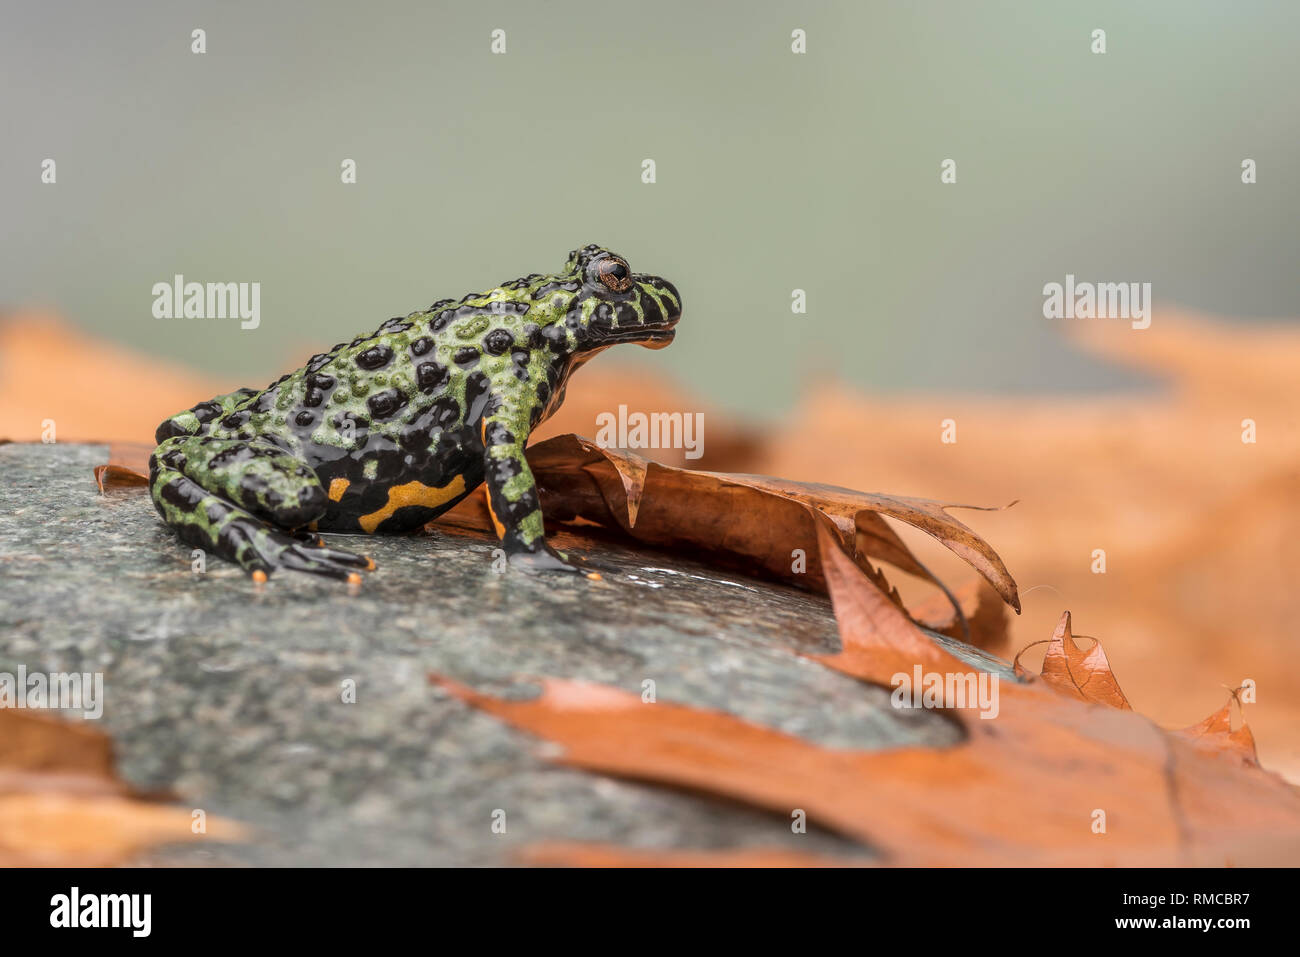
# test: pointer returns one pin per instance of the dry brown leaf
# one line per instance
(127, 467)
(36, 742)
(1069, 669)
(58, 829)
(756, 522)
(62, 805)
(1201, 530)
(631, 469)
(1023, 788)
(1216, 734)
(117, 476)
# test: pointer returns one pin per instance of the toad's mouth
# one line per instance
(652, 337)
(658, 338)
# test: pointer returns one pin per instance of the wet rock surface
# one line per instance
(232, 697)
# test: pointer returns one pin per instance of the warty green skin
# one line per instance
(383, 434)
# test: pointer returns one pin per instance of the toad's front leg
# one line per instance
(512, 496)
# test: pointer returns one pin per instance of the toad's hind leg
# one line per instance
(238, 499)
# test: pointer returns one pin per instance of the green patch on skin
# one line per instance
(471, 328)
(531, 529)
(515, 488)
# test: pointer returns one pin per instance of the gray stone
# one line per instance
(230, 696)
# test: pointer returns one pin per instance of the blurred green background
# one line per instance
(775, 171)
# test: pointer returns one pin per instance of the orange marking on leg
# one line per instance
(337, 487)
(413, 493)
(496, 522)
(259, 576)
(487, 496)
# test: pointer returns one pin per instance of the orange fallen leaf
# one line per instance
(1069, 669)
(1216, 734)
(34, 742)
(896, 644)
(1052, 779)
(1206, 554)
(77, 830)
(128, 466)
(759, 523)
(62, 805)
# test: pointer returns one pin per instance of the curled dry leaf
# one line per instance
(895, 643)
(1217, 735)
(62, 805)
(1069, 669)
(127, 467)
(1026, 787)
(753, 521)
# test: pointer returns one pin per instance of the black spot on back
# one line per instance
(430, 376)
(384, 404)
(376, 357)
(498, 341)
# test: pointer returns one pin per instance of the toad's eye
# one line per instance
(614, 274)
